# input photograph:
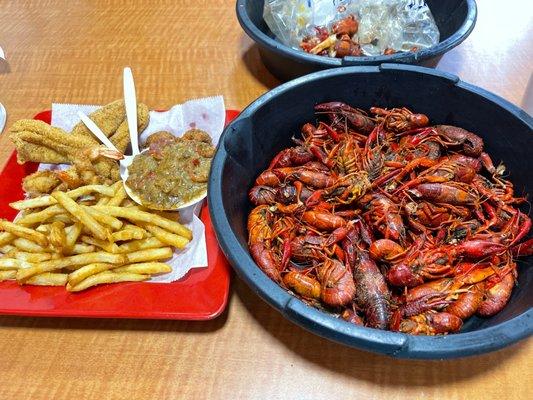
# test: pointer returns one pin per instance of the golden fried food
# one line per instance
(84, 171)
(27, 152)
(108, 118)
(111, 119)
(50, 144)
(121, 138)
(72, 239)
(91, 163)
(40, 182)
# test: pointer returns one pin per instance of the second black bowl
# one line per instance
(455, 19)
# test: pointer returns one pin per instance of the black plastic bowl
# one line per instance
(455, 19)
(266, 126)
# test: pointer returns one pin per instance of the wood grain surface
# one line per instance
(74, 52)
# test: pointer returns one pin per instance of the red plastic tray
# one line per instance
(201, 295)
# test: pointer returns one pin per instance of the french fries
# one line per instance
(58, 237)
(7, 275)
(168, 238)
(13, 263)
(71, 261)
(48, 279)
(137, 215)
(162, 253)
(81, 215)
(48, 200)
(84, 272)
(126, 234)
(151, 268)
(23, 232)
(29, 257)
(85, 237)
(106, 277)
(136, 245)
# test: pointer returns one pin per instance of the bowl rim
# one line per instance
(386, 342)
(402, 57)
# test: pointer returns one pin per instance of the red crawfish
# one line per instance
(460, 295)
(345, 46)
(384, 216)
(497, 296)
(308, 247)
(316, 139)
(346, 26)
(467, 303)
(400, 119)
(284, 194)
(302, 284)
(337, 284)
(316, 179)
(291, 157)
(458, 168)
(434, 216)
(323, 220)
(385, 250)
(259, 242)
(337, 111)
(472, 144)
(352, 317)
(424, 260)
(449, 193)
(372, 293)
(431, 323)
(349, 188)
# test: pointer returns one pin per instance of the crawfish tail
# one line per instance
(303, 285)
(350, 316)
(385, 250)
(265, 260)
(441, 193)
(467, 303)
(496, 297)
(323, 220)
(337, 284)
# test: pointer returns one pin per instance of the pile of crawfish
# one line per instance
(339, 41)
(388, 222)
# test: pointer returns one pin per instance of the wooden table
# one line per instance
(74, 52)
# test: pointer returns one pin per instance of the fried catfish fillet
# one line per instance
(39, 142)
(121, 138)
(111, 119)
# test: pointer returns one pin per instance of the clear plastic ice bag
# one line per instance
(292, 20)
(394, 24)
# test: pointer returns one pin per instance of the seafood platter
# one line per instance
(82, 238)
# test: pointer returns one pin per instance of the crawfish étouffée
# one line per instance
(174, 170)
(385, 220)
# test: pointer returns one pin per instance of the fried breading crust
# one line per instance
(108, 118)
(121, 138)
(50, 144)
(40, 182)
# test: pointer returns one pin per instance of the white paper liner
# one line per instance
(207, 114)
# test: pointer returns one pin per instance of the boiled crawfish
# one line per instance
(386, 221)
